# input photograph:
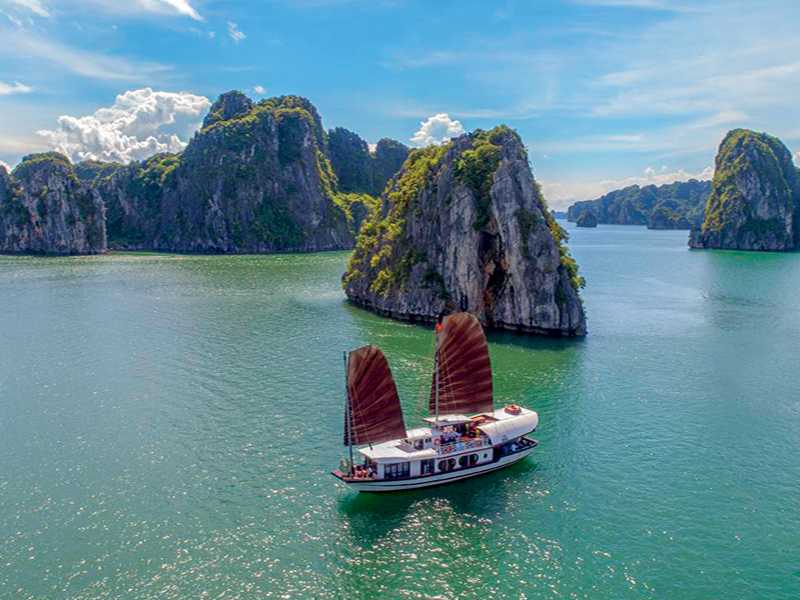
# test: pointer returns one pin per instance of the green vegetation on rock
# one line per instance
(35, 162)
(383, 231)
(476, 167)
(561, 237)
(157, 168)
(755, 199)
(733, 162)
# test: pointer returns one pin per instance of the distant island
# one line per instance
(257, 177)
(676, 205)
(586, 219)
(755, 200)
(464, 226)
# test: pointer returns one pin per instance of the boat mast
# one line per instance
(436, 372)
(347, 416)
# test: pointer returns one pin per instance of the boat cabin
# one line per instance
(452, 442)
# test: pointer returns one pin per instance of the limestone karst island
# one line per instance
(340, 299)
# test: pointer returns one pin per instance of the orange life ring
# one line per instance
(513, 409)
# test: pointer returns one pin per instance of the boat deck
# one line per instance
(501, 458)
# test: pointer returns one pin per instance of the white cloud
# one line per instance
(139, 124)
(235, 34)
(35, 6)
(797, 158)
(560, 195)
(135, 7)
(79, 62)
(259, 89)
(436, 130)
(6, 165)
(182, 7)
(6, 89)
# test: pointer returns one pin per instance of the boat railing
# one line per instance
(462, 445)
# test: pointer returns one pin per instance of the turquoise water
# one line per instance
(167, 424)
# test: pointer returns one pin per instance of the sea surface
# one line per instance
(168, 424)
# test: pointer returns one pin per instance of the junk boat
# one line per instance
(465, 434)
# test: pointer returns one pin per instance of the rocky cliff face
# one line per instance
(255, 178)
(464, 226)
(755, 200)
(359, 170)
(257, 182)
(46, 209)
(671, 206)
(133, 196)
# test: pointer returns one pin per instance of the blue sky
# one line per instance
(604, 92)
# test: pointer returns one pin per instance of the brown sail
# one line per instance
(465, 372)
(374, 411)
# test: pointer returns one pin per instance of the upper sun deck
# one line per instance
(446, 420)
(417, 445)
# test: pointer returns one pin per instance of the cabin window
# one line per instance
(396, 470)
(426, 467)
(463, 461)
(485, 455)
(447, 464)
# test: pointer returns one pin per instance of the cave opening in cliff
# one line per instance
(493, 258)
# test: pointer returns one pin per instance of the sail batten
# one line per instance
(465, 370)
(374, 414)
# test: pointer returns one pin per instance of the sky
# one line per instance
(605, 93)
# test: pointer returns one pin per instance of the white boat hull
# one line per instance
(390, 485)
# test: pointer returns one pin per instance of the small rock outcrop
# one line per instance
(464, 226)
(387, 159)
(46, 209)
(586, 219)
(228, 106)
(676, 205)
(359, 170)
(755, 200)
